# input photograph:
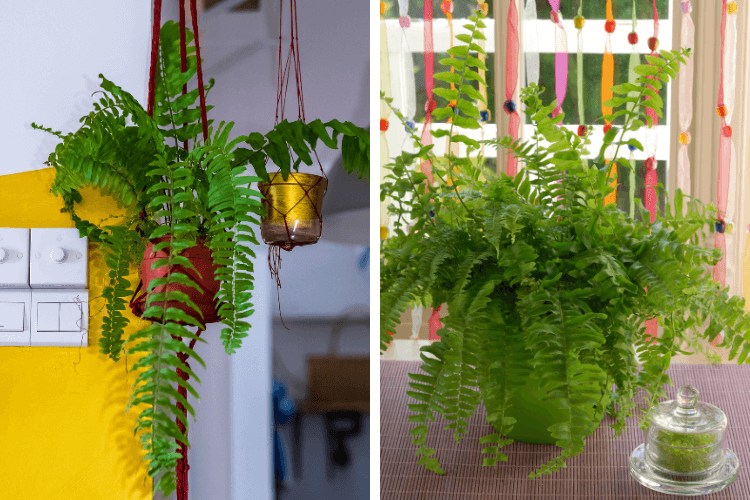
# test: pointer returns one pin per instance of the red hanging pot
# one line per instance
(200, 257)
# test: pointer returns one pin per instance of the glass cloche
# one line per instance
(685, 452)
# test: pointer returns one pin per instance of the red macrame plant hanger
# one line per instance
(285, 69)
(207, 282)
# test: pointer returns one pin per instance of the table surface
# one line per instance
(600, 472)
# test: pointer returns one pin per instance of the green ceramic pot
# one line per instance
(534, 416)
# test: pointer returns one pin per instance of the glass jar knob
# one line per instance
(687, 398)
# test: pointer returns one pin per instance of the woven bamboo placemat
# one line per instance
(600, 472)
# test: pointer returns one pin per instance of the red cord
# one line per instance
(183, 51)
(154, 57)
(284, 68)
(282, 87)
(279, 75)
(201, 94)
(182, 464)
(298, 65)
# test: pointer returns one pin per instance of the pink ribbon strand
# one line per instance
(429, 85)
(511, 78)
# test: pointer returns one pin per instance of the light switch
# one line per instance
(15, 317)
(59, 258)
(48, 317)
(70, 317)
(60, 318)
(14, 258)
(11, 316)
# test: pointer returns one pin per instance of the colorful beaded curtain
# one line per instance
(652, 137)
(633, 61)
(727, 153)
(608, 75)
(511, 77)
(561, 56)
(429, 85)
(385, 111)
(685, 98)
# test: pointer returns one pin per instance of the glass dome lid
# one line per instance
(685, 452)
(687, 415)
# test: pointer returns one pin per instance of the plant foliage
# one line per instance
(539, 277)
(193, 195)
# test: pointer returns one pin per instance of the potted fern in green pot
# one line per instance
(190, 225)
(545, 286)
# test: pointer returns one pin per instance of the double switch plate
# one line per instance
(43, 281)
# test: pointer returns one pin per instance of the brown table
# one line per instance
(338, 388)
(600, 472)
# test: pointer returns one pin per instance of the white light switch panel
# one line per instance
(15, 317)
(14, 258)
(59, 258)
(60, 318)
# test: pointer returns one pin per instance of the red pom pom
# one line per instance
(653, 43)
(727, 131)
(650, 164)
(633, 38)
(582, 130)
(383, 124)
(430, 106)
(446, 6)
(609, 26)
(607, 127)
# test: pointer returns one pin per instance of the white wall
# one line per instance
(52, 54)
(241, 52)
(323, 280)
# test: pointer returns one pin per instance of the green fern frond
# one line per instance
(162, 341)
(290, 144)
(424, 387)
(558, 338)
(119, 247)
(235, 210)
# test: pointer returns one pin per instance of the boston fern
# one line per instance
(183, 196)
(541, 279)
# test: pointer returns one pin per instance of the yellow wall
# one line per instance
(63, 429)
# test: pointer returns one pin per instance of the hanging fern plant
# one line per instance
(177, 199)
(544, 284)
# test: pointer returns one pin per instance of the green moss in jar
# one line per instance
(684, 452)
